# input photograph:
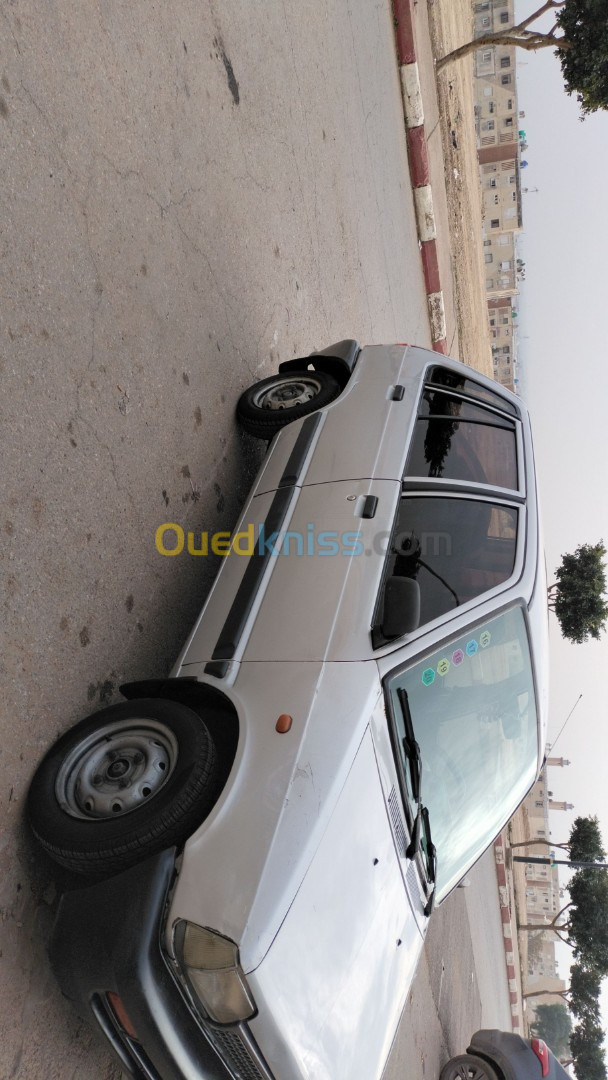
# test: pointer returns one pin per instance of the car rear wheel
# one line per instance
(123, 784)
(269, 405)
(468, 1067)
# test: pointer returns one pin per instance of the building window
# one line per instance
(486, 21)
(514, 196)
(505, 80)
(491, 107)
(508, 121)
(495, 223)
(506, 265)
(512, 178)
(504, 16)
(486, 57)
(510, 103)
(489, 283)
(496, 200)
(489, 125)
(504, 240)
(489, 257)
(505, 61)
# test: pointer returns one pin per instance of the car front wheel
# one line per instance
(123, 784)
(468, 1067)
(269, 405)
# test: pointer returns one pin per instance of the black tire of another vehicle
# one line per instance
(267, 406)
(468, 1067)
(163, 756)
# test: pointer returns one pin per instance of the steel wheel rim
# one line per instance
(287, 392)
(116, 769)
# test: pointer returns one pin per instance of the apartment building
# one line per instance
(497, 121)
(502, 314)
(544, 898)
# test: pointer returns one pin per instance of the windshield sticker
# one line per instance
(458, 657)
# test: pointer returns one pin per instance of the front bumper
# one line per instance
(107, 938)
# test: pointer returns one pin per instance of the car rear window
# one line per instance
(445, 377)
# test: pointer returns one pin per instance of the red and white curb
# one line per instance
(419, 168)
(509, 931)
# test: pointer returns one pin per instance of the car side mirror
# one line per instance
(401, 607)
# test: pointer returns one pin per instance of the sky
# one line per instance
(563, 335)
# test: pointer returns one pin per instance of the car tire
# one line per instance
(269, 405)
(123, 784)
(468, 1067)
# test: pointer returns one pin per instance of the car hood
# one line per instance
(332, 986)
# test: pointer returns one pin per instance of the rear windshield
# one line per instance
(439, 376)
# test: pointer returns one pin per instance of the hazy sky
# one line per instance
(563, 347)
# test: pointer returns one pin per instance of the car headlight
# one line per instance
(210, 963)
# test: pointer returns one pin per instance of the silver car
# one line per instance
(356, 714)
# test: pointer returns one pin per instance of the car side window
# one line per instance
(455, 548)
(459, 440)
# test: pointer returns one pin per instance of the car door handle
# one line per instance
(370, 504)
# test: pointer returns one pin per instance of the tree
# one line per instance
(584, 992)
(577, 597)
(553, 1023)
(588, 918)
(582, 47)
(583, 845)
(587, 1053)
(585, 841)
(585, 927)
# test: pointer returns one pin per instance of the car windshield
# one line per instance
(473, 713)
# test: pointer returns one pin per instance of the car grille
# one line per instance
(237, 1054)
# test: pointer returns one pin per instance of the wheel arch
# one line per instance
(217, 711)
(338, 360)
(491, 1061)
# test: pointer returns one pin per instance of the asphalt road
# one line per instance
(461, 982)
(189, 193)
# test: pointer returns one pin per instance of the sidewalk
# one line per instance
(438, 116)
(507, 896)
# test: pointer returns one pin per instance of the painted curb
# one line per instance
(509, 930)
(413, 111)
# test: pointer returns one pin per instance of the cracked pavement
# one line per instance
(189, 196)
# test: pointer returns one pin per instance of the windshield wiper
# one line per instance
(429, 852)
(410, 745)
(421, 820)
